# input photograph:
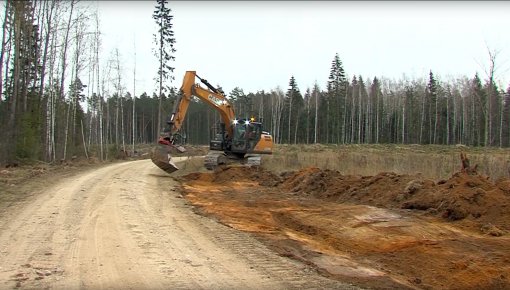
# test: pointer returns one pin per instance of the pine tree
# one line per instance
(433, 104)
(479, 110)
(165, 51)
(295, 104)
(377, 109)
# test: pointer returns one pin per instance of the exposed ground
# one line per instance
(386, 231)
(126, 226)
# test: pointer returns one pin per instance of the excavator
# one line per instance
(236, 140)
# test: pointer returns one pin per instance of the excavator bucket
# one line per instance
(162, 159)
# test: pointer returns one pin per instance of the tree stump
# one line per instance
(471, 170)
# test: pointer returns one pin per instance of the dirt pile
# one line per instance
(229, 174)
(463, 196)
(466, 196)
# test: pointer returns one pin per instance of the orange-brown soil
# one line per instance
(386, 231)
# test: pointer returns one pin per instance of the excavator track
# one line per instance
(162, 159)
(214, 159)
(253, 160)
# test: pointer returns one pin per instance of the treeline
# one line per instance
(468, 111)
(58, 98)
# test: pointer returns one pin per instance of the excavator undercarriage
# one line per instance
(214, 159)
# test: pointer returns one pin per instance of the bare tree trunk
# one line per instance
(353, 115)
(134, 95)
(64, 52)
(290, 115)
(367, 123)
(422, 123)
(488, 116)
(359, 113)
(66, 134)
(465, 126)
(316, 116)
(475, 136)
(68, 114)
(327, 120)
(119, 94)
(100, 96)
(9, 54)
(11, 125)
(28, 47)
(308, 119)
(448, 119)
(403, 121)
(435, 120)
(2, 52)
(50, 106)
(79, 37)
(90, 91)
(377, 123)
(83, 138)
(296, 127)
(454, 118)
(49, 16)
(502, 111)
(160, 77)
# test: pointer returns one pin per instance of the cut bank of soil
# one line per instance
(382, 231)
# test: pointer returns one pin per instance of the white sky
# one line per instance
(259, 45)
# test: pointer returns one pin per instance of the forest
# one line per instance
(57, 100)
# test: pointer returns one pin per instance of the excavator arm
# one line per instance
(212, 96)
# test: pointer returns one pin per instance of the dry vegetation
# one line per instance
(435, 162)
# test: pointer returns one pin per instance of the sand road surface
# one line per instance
(126, 226)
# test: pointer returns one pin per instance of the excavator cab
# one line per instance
(246, 136)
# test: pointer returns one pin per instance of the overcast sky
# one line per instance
(259, 45)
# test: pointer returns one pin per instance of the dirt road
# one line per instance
(125, 226)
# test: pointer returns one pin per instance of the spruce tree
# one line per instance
(337, 84)
(295, 103)
(480, 111)
(165, 51)
(432, 93)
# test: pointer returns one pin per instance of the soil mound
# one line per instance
(382, 189)
(229, 174)
(464, 196)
